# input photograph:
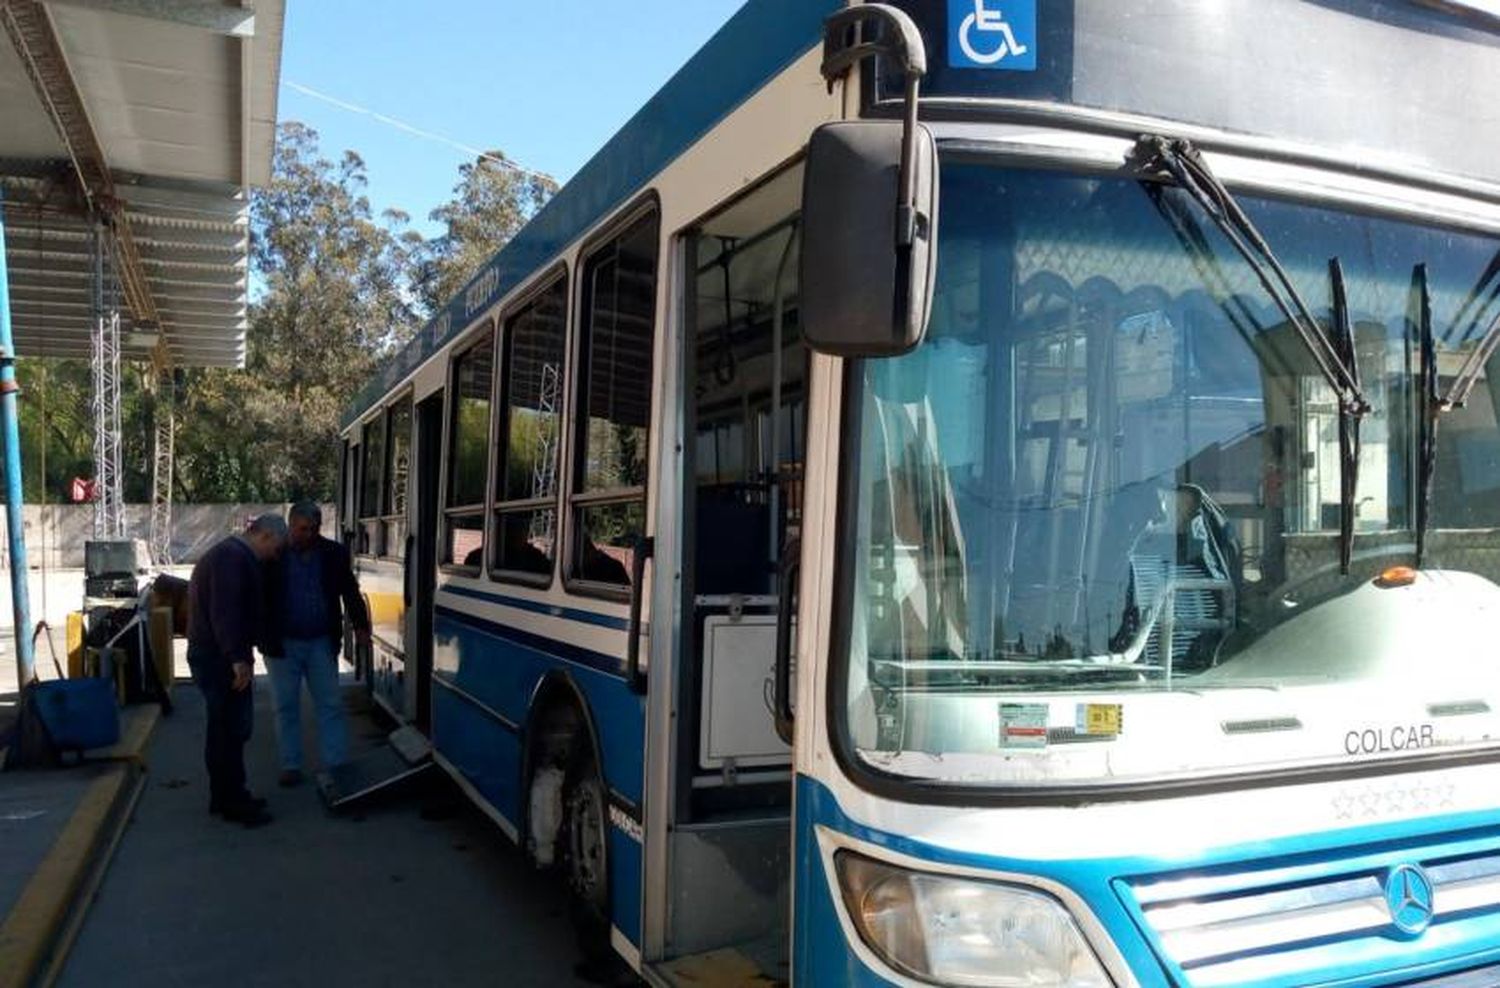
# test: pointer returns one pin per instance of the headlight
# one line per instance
(958, 931)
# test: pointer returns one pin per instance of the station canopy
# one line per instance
(141, 123)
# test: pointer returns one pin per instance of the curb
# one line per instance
(36, 934)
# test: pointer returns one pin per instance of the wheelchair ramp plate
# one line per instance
(405, 755)
(410, 744)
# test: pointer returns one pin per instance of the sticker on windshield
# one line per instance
(1023, 725)
(992, 34)
(1099, 718)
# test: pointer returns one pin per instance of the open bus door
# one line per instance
(743, 379)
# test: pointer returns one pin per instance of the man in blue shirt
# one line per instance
(225, 614)
(310, 591)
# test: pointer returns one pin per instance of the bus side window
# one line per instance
(468, 454)
(613, 410)
(370, 531)
(529, 437)
(397, 473)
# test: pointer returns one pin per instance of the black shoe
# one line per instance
(255, 802)
(247, 815)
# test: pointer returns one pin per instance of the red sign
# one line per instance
(81, 490)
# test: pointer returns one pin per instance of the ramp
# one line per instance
(405, 755)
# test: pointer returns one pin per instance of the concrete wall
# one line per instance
(55, 533)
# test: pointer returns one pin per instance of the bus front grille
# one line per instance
(1325, 920)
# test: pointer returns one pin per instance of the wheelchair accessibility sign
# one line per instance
(992, 34)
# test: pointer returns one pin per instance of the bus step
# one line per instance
(405, 754)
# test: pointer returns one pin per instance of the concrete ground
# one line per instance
(418, 888)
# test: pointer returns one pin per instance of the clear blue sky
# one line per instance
(546, 82)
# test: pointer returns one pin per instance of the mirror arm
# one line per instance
(847, 41)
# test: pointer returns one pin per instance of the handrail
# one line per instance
(645, 548)
(791, 567)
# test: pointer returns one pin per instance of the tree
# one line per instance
(336, 290)
(334, 302)
(493, 199)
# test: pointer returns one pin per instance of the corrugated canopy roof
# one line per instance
(152, 117)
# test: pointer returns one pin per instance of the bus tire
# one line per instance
(585, 854)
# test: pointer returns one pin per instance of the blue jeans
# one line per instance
(311, 659)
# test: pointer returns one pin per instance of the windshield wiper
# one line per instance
(1182, 161)
(1468, 374)
(1336, 359)
(1348, 421)
(1432, 405)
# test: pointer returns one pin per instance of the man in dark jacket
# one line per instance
(310, 591)
(226, 594)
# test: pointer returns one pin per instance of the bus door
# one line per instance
(744, 404)
(420, 558)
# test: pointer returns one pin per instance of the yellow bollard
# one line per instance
(75, 645)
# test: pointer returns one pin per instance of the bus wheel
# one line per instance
(586, 850)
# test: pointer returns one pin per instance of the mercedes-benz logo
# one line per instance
(1409, 896)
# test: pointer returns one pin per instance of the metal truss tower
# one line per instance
(164, 413)
(109, 506)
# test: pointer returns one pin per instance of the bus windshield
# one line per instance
(1097, 513)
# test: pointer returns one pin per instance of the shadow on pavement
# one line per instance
(415, 888)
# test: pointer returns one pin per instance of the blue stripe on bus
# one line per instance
(541, 607)
(755, 45)
(602, 661)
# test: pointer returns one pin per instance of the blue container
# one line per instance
(79, 714)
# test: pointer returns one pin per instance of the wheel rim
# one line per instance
(586, 843)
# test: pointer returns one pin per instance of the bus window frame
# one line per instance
(643, 206)
(518, 303)
(486, 327)
(348, 486)
(363, 521)
(388, 513)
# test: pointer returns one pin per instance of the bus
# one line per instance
(986, 493)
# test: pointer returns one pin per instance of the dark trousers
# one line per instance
(231, 716)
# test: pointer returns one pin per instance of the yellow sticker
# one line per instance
(1100, 718)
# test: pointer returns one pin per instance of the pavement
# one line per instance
(416, 888)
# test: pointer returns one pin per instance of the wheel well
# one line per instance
(558, 729)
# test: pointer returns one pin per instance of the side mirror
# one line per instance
(864, 292)
(869, 204)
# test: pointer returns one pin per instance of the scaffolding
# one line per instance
(164, 413)
(104, 361)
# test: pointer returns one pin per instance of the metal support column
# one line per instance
(10, 434)
(164, 413)
(109, 520)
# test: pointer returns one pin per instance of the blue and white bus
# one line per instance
(987, 493)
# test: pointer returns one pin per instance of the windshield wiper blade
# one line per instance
(1478, 296)
(1432, 405)
(1348, 420)
(1182, 161)
(1435, 403)
(1468, 374)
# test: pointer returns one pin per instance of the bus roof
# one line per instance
(760, 40)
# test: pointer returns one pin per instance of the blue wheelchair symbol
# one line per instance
(992, 34)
